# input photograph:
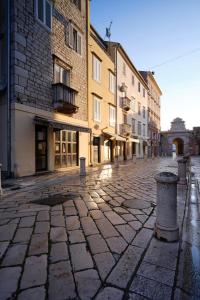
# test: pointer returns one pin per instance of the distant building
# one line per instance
(43, 85)
(154, 103)
(177, 139)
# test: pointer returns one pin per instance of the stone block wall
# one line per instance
(33, 48)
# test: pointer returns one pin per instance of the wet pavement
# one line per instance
(94, 239)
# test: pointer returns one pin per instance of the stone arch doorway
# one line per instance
(179, 146)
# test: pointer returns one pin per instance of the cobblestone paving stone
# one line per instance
(91, 246)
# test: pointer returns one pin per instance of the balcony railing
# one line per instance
(126, 129)
(65, 99)
(126, 103)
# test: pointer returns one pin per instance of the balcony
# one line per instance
(65, 99)
(126, 103)
(126, 129)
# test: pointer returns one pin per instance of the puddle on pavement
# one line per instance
(55, 199)
(138, 204)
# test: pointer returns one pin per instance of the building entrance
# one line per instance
(40, 148)
(179, 146)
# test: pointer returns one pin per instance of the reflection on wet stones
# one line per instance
(55, 199)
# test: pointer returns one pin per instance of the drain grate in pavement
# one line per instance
(55, 199)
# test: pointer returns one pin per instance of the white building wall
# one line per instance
(132, 92)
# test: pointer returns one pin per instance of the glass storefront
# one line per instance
(66, 149)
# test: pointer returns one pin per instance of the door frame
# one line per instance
(36, 143)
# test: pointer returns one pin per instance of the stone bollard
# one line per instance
(188, 158)
(117, 161)
(182, 170)
(166, 227)
(82, 166)
(1, 191)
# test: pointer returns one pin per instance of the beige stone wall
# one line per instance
(23, 129)
(100, 89)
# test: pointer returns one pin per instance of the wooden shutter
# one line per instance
(71, 39)
(79, 46)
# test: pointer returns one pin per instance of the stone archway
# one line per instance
(179, 143)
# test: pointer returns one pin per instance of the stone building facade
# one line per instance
(154, 94)
(177, 139)
(46, 93)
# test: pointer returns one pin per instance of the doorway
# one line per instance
(179, 146)
(108, 150)
(96, 150)
(40, 148)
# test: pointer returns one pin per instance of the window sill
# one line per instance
(43, 25)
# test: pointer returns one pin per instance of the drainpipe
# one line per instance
(8, 92)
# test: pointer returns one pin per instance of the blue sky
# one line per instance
(153, 32)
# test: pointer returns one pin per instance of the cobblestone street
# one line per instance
(95, 239)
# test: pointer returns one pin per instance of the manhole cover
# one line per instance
(139, 204)
(54, 200)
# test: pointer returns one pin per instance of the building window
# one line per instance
(133, 80)
(75, 39)
(97, 109)
(144, 130)
(133, 125)
(44, 12)
(96, 68)
(139, 108)
(139, 87)
(124, 69)
(144, 92)
(133, 104)
(125, 118)
(61, 75)
(139, 128)
(77, 3)
(111, 82)
(143, 112)
(112, 116)
(66, 148)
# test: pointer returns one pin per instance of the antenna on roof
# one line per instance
(108, 31)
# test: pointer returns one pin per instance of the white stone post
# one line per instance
(174, 155)
(1, 191)
(182, 170)
(166, 227)
(82, 166)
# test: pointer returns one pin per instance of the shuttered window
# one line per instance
(75, 39)
(96, 69)
(97, 109)
(112, 116)
(44, 12)
(61, 75)
(111, 82)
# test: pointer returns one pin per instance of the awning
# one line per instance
(134, 140)
(110, 134)
(120, 138)
(59, 125)
(114, 136)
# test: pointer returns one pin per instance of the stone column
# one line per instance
(188, 158)
(182, 170)
(82, 166)
(1, 191)
(166, 227)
